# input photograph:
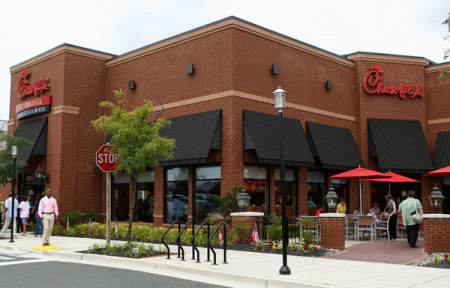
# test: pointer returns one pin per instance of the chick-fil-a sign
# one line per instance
(373, 85)
(36, 88)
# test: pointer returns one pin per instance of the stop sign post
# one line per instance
(107, 162)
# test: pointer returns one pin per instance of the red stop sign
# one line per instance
(105, 160)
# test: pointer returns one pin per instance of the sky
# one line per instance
(29, 28)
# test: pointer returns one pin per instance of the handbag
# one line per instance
(417, 217)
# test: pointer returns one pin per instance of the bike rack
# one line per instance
(179, 240)
(165, 233)
(224, 242)
(193, 240)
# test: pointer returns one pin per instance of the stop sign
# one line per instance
(105, 160)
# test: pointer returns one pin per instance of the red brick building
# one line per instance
(383, 112)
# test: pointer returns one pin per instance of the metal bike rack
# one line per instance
(193, 240)
(224, 242)
(165, 233)
(179, 239)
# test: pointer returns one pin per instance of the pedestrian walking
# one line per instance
(48, 211)
(409, 207)
(24, 209)
(35, 213)
(9, 215)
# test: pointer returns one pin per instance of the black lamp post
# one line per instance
(40, 174)
(331, 198)
(436, 198)
(279, 99)
(13, 183)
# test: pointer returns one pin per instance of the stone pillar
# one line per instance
(332, 231)
(247, 221)
(436, 233)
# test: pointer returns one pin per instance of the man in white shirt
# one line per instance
(9, 215)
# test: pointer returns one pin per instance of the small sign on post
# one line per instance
(107, 162)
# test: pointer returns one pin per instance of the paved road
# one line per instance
(20, 271)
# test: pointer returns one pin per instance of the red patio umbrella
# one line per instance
(443, 172)
(360, 173)
(393, 178)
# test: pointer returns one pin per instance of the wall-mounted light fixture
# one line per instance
(329, 84)
(190, 68)
(131, 85)
(276, 69)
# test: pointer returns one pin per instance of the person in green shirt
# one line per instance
(408, 207)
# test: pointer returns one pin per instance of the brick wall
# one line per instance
(436, 231)
(247, 221)
(233, 73)
(332, 231)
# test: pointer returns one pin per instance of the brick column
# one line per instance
(436, 232)
(249, 219)
(332, 230)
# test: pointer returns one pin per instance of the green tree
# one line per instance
(447, 50)
(6, 159)
(135, 138)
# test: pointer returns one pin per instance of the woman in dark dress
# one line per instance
(391, 209)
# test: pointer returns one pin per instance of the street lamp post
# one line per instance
(279, 97)
(13, 183)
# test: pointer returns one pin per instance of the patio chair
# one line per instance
(364, 225)
(350, 226)
(382, 226)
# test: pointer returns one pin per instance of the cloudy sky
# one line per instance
(28, 28)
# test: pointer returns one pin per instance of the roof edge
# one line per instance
(405, 59)
(228, 22)
(65, 47)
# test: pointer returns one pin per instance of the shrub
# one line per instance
(274, 230)
(93, 215)
(74, 217)
(228, 203)
(239, 232)
(308, 237)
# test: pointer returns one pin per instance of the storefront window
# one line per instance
(145, 196)
(255, 184)
(121, 196)
(176, 195)
(207, 188)
(289, 191)
(316, 190)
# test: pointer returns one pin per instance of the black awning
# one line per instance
(261, 132)
(34, 131)
(195, 135)
(399, 145)
(442, 155)
(335, 147)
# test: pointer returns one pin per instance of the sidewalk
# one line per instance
(244, 269)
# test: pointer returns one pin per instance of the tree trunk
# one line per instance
(133, 205)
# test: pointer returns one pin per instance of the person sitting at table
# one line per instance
(319, 210)
(341, 207)
(357, 212)
(372, 212)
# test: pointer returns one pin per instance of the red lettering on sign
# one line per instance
(373, 85)
(38, 87)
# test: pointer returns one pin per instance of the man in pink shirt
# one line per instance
(48, 210)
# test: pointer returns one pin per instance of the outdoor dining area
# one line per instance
(370, 223)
